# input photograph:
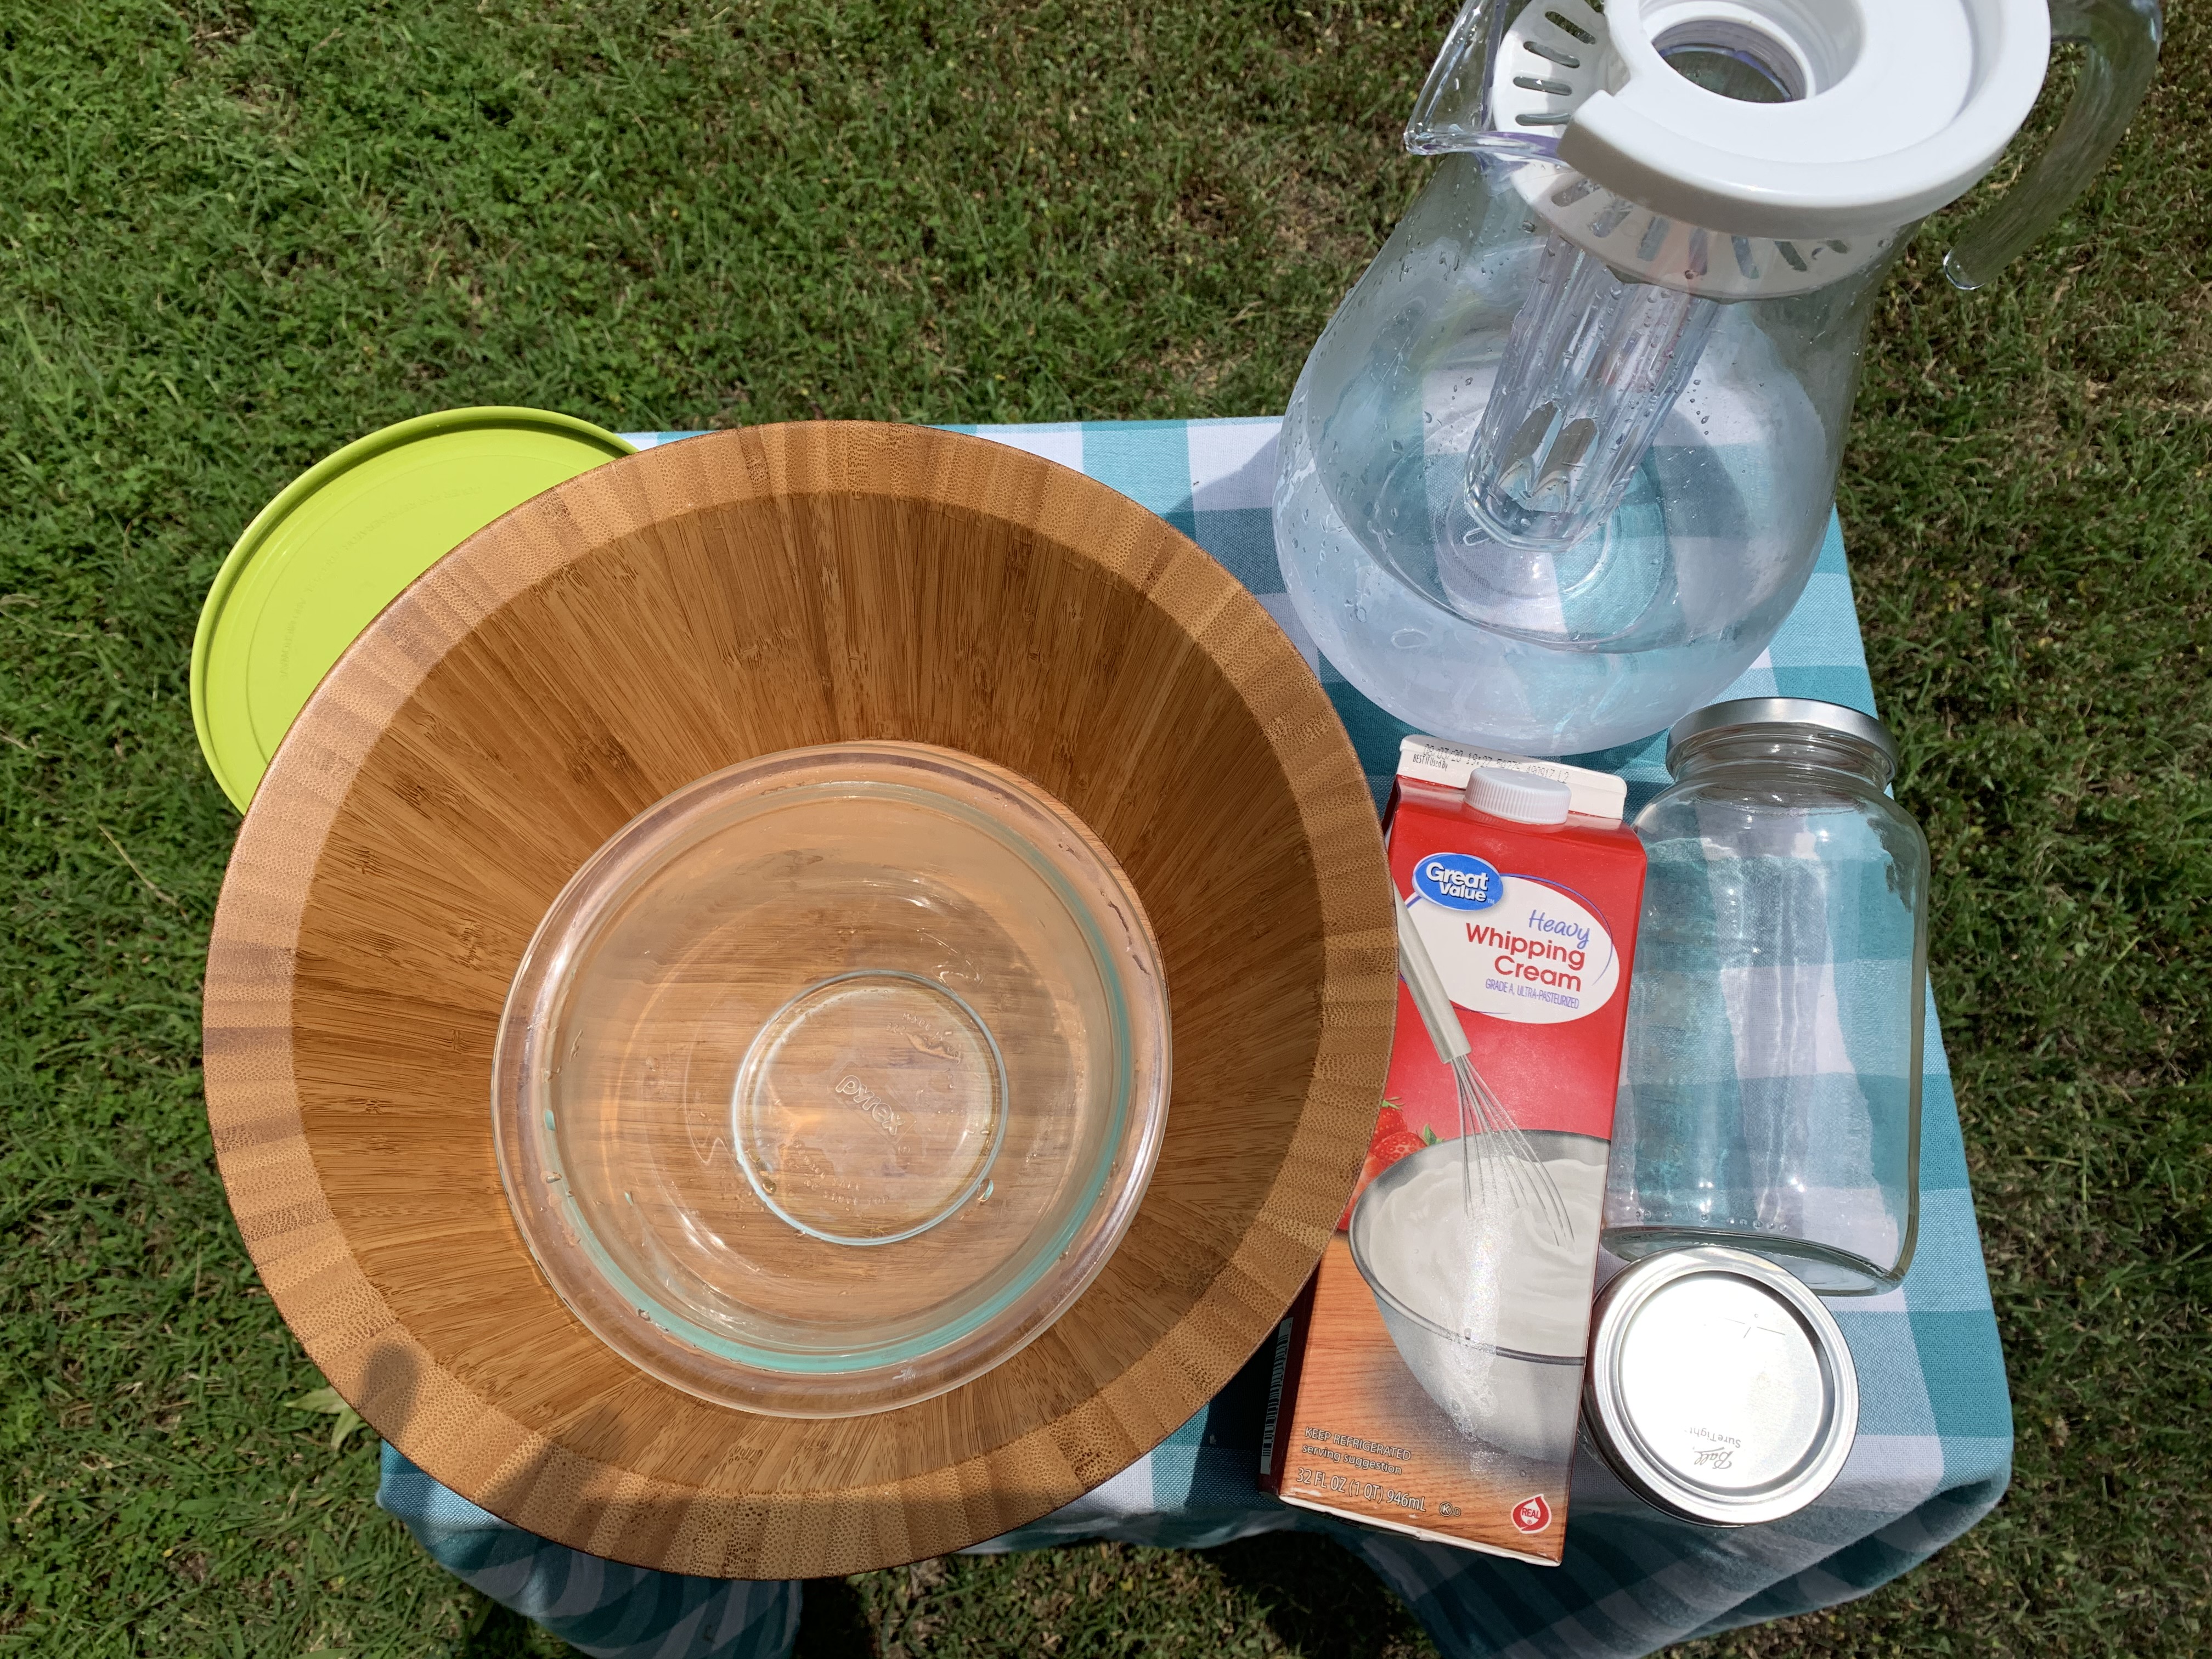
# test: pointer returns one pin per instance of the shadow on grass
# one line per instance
(833, 1622)
(1321, 1599)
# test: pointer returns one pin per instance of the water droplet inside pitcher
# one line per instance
(1409, 639)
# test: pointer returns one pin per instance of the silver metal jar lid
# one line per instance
(1741, 714)
(1719, 1389)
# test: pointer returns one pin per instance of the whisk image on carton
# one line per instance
(1432, 1375)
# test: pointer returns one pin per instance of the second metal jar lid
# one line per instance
(1719, 1389)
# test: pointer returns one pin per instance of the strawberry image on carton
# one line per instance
(1431, 1378)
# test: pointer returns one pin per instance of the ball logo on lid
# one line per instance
(1532, 1514)
(1459, 881)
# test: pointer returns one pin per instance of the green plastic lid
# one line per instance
(341, 542)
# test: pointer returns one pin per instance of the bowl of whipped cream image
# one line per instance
(1488, 1302)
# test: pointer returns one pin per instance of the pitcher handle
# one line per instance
(2122, 38)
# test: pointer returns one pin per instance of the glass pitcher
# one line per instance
(1562, 463)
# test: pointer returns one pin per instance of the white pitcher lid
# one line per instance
(1882, 111)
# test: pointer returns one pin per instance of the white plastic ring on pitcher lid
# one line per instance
(1522, 797)
(1841, 118)
(1718, 1388)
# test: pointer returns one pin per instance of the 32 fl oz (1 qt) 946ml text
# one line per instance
(1318, 1482)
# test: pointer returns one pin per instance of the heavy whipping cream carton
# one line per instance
(1429, 1378)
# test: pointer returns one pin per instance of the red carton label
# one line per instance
(1436, 1370)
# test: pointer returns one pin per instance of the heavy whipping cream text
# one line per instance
(1545, 962)
(1535, 954)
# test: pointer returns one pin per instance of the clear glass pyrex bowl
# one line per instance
(834, 1078)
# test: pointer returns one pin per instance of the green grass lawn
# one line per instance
(235, 236)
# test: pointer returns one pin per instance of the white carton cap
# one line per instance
(1437, 760)
(1524, 797)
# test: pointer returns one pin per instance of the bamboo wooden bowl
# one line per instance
(658, 619)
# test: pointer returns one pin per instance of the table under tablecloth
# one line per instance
(1934, 1436)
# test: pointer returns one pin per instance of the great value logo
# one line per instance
(1459, 881)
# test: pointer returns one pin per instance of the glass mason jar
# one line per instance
(1770, 1082)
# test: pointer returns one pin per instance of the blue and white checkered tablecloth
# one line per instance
(1934, 1441)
